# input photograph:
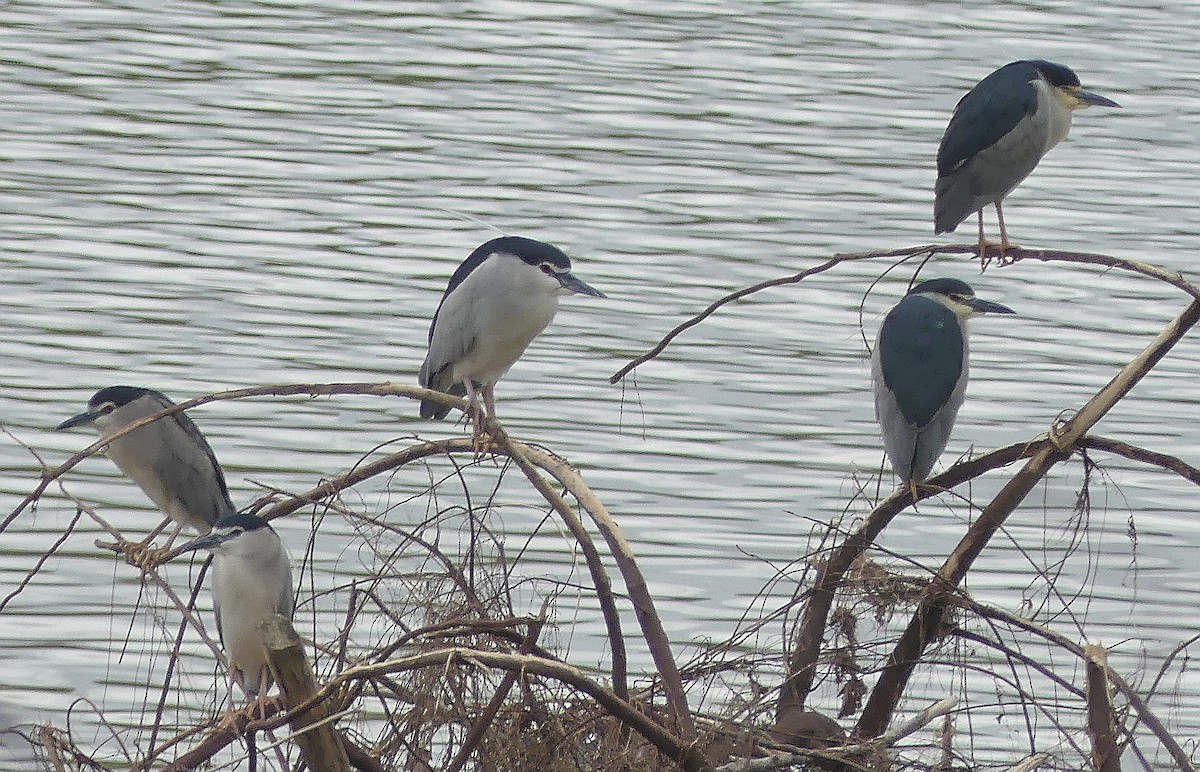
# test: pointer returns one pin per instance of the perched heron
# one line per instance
(498, 300)
(169, 459)
(919, 371)
(252, 582)
(999, 132)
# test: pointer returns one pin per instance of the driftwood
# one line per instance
(321, 746)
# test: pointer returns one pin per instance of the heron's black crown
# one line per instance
(944, 286)
(533, 252)
(242, 521)
(529, 250)
(1055, 74)
(117, 395)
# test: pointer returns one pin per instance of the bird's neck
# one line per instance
(1059, 106)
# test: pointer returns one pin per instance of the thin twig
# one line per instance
(687, 755)
(1130, 694)
(657, 640)
(1013, 255)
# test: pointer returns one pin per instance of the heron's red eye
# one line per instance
(546, 269)
(107, 408)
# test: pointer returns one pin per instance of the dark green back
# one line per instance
(921, 356)
(988, 112)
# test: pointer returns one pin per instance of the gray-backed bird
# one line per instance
(169, 459)
(251, 582)
(919, 372)
(999, 132)
(498, 300)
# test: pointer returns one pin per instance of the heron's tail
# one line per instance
(431, 409)
(436, 410)
(953, 202)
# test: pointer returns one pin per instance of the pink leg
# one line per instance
(472, 409)
(489, 400)
(472, 396)
(483, 443)
(1005, 244)
(264, 678)
(982, 241)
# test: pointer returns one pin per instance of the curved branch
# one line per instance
(603, 585)
(1174, 278)
(810, 630)
(1127, 691)
(1013, 255)
(739, 294)
(635, 582)
(1136, 453)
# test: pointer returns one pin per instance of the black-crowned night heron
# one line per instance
(498, 300)
(999, 132)
(169, 459)
(919, 371)
(252, 582)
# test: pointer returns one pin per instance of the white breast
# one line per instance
(509, 303)
(1056, 109)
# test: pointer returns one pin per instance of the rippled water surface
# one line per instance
(201, 196)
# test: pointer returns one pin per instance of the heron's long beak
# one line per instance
(988, 307)
(206, 542)
(1087, 98)
(82, 418)
(570, 283)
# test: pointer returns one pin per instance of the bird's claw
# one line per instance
(1001, 258)
(145, 557)
(260, 707)
(481, 441)
(482, 444)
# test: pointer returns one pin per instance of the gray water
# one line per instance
(201, 196)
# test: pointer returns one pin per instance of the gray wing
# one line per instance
(919, 375)
(198, 481)
(931, 440)
(991, 175)
(216, 594)
(987, 113)
(451, 337)
(899, 436)
(287, 598)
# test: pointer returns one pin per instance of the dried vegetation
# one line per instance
(453, 650)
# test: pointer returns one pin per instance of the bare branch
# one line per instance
(1118, 682)
(1135, 453)
(687, 755)
(1013, 255)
